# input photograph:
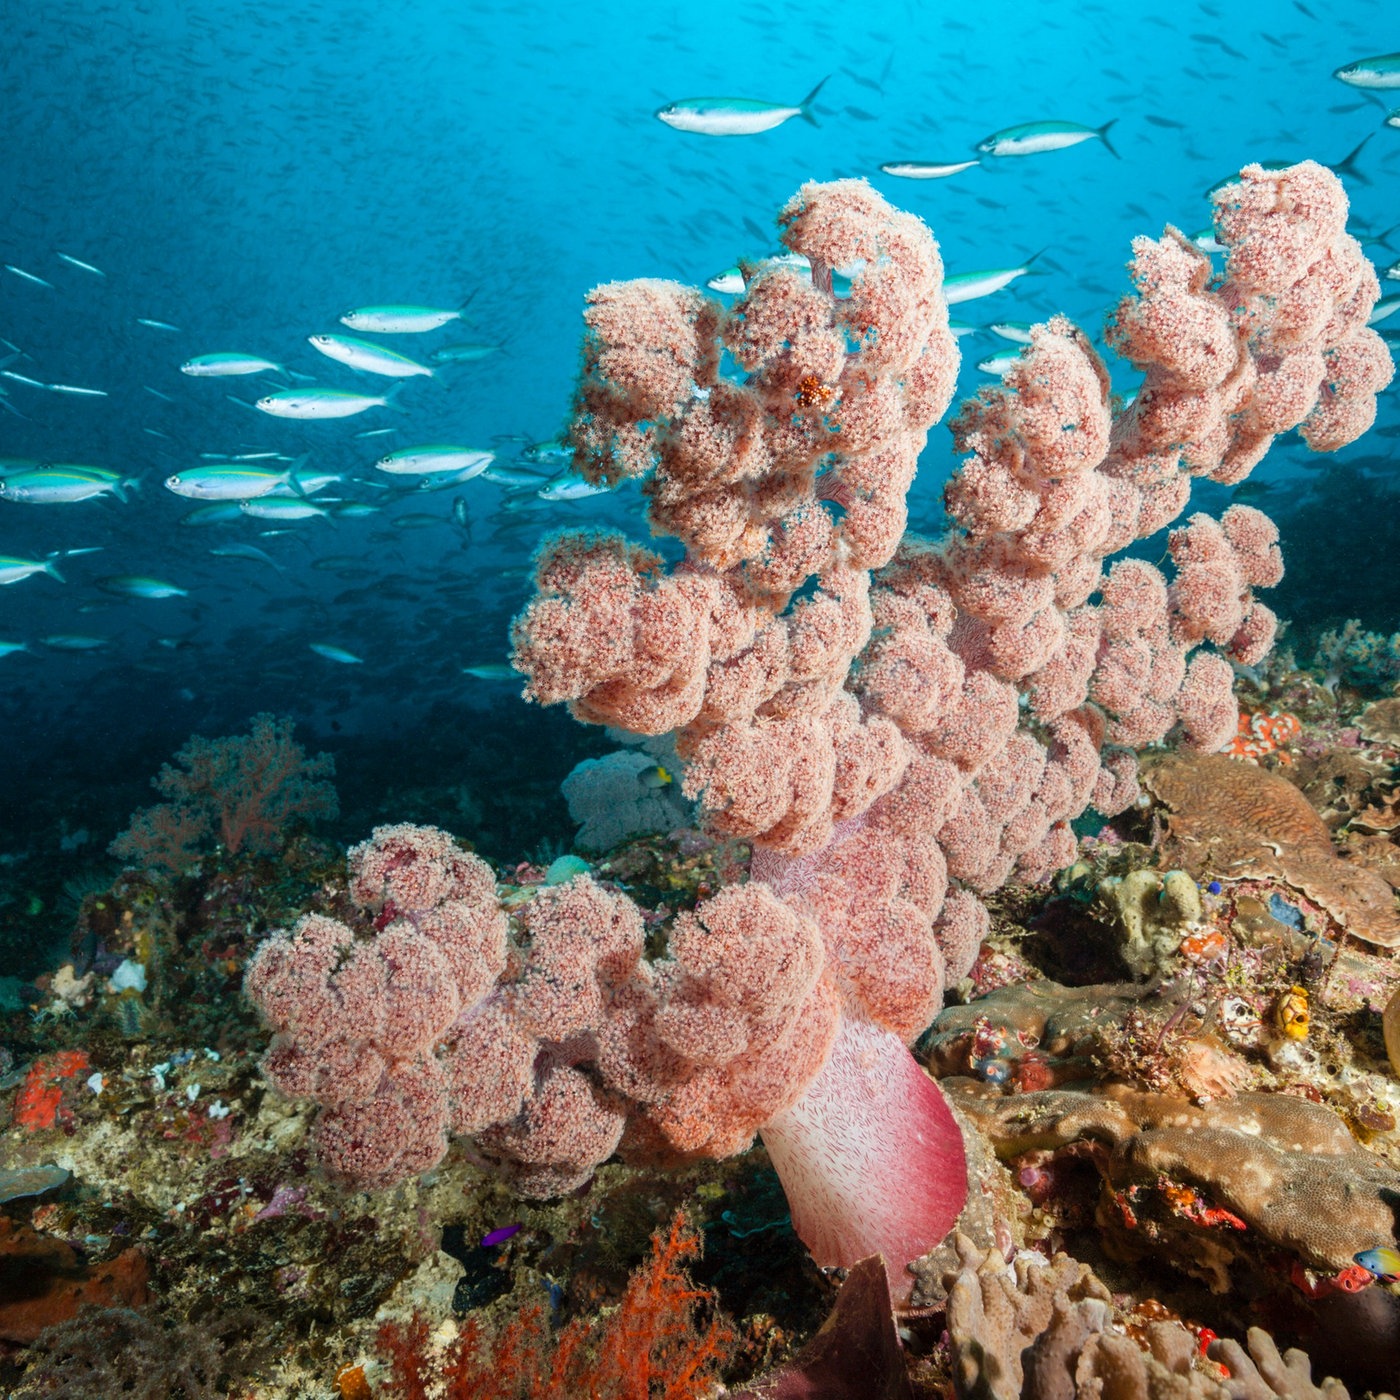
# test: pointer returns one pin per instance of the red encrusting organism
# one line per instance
(39, 1101)
(897, 725)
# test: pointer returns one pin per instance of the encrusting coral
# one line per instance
(897, 726)
(1279, 1164)
(1231, 820)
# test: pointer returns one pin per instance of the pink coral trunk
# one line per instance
(870, 1156)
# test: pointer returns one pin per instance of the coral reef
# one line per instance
(243, 791)
(889, 743)
(1271, 1163)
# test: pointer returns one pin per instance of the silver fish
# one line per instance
(734, 116)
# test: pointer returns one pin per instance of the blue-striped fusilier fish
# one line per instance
(139, 586)
(733, 116)
(371, 359)
(1377, 73)
(926, 169)
(322, 403)
(63, 485)
(968, 286)
(421, 461)
(400, 320)
(1035, 138)
(231, 481)
(229, 362)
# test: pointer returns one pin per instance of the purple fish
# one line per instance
(499, 1236)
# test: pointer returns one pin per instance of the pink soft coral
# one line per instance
(896, 725)
(244, 791)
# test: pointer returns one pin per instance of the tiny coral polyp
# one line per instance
(812, 393)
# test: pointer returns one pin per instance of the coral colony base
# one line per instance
(896, 725)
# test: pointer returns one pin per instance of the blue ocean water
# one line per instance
(245, 175)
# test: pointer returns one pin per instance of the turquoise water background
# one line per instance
(246, 174)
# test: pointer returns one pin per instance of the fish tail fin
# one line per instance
(51, 568)
(293, 480)
(805, 106)
(1103, 136)
(119, 490)
(1347, 165)
(464, 303)
(391, 397)
(298, 377)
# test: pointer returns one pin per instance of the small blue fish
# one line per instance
(28, 276)
(1035, 138)
(79, 263)
(1383, 1261)
(969, 286)
(138, 586)
(1381, 72)
(926, 169)
(334, 653)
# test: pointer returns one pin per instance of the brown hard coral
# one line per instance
(996, 1311)
(1282, 1166)
(1046, 1330)
(1263, 1374)
(1380, 722)
(1340, 783)
(1231, 820)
